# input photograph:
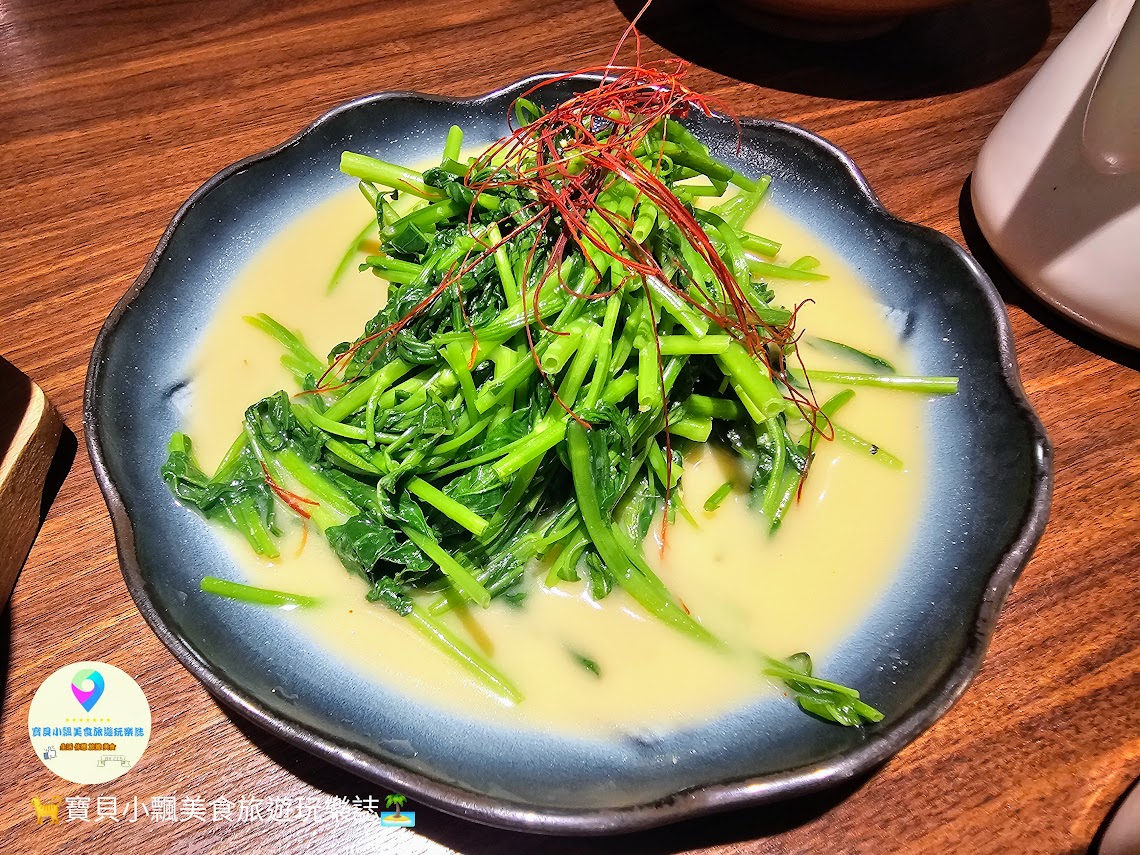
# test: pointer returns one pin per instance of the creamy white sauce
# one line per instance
(804, 589)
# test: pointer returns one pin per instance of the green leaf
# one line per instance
(611, 450)
(387, 591)
(410, 239)
(181, 473)
(361, 543)
(868, 359)
(601, 579)
(373, 550)
(414, 351)
(401, 507)
(273, 425)
(514, 427)
(587, 663)
(479, 489)
(822, 698)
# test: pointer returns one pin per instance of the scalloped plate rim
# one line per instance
(881, 744)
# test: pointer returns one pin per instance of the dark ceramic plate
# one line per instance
(915, 653)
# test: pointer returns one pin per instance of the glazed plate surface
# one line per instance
(984, 508)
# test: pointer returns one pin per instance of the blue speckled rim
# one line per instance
(881, 742)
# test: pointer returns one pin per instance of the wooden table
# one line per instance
(112, 113)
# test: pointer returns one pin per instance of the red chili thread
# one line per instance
(562, 161)
(289, 498)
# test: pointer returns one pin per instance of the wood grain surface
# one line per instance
(112, 113)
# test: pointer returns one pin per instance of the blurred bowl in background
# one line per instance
(827, 20)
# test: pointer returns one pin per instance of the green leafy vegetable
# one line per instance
(822, 698)
(566, 322)
(587, 663)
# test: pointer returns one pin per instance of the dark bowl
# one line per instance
(828, 20)
(915, 653)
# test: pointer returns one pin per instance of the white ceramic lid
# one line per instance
(1070, 231)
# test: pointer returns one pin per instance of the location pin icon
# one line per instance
(87, 686)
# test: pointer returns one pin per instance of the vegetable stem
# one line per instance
(478, 666)
(387, 174)
(460, 576)
(252, 594)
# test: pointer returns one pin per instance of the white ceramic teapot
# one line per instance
(1056, 189)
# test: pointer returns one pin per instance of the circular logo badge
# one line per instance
(89, 722)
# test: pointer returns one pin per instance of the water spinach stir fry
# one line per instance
(567, 320)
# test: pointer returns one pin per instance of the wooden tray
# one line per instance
(30, 431)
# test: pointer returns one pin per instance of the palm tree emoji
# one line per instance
(397, 801)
